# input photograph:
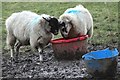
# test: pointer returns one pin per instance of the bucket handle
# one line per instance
(90, 58)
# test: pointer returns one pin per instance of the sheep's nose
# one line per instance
(56, 32)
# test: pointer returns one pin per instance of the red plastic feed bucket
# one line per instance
(70, 48)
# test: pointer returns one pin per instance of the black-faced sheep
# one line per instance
(28, 28)
(75, 22)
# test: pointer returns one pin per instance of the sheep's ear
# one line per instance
(47, 19)
(48, 28)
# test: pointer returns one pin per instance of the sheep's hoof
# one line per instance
(12, 59)
(40, 57)
(41, 60)
(16, 60)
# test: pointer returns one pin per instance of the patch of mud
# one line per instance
(28, 66)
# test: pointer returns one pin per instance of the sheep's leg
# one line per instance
(40, 54)
(90, 31)
(17, 46)
(12, 59)
(12, 52)
(11, 42)
(37, 45)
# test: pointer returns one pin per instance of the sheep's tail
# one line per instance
(90, 32)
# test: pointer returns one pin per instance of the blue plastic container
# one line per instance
(102, 63)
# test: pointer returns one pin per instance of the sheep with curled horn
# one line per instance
(29, 28)
(75, 22)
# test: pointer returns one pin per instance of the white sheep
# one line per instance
(28, 28)
(75, 22)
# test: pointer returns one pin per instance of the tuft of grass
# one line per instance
(105, 16)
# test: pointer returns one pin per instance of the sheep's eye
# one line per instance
(70, 23)
(63, 29)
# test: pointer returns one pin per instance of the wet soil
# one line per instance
(28, 66)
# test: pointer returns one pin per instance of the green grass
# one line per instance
(105, 16)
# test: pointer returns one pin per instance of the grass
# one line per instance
(105, 16)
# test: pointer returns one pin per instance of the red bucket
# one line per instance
(70, 48)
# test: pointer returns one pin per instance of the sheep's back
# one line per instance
(20, 24)
(81, 18)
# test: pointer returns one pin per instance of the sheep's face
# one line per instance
(65, 27)
(54, 24)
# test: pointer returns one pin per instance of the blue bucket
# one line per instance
(102, 63)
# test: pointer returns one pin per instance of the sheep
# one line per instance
(28, 28)
(75, 22)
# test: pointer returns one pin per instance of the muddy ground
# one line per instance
(28, 66)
